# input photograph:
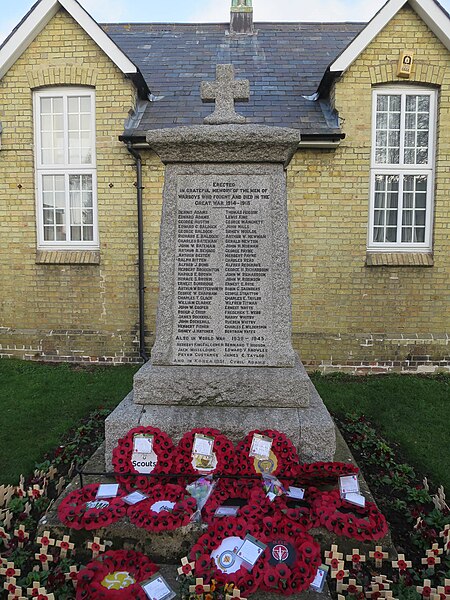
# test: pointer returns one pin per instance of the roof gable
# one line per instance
(430, 11)
(38, 17)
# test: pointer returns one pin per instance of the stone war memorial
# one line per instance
(223, 356)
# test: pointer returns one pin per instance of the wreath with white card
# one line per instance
(215, 556)
(81, 509)
(143, 450)
(249, 499)
(346, 519)
(267, 452)
(167, 507)
(116, 574)
(205, 451)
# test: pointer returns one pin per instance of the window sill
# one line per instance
(399, 259)
(67, 257)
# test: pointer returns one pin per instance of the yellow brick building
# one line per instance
(362, 300)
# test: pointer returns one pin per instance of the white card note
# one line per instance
(107, 490)
(203, 445)
(251, 550)
(261, 446)
(158, 589)
(357, 499)
(295, 492)
(348, 484)
(134, 498)
(143, 444)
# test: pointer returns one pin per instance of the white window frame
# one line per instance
(66, 169)
(402, 169)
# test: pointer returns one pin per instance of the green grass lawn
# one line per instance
(411, 411)
(41, 402)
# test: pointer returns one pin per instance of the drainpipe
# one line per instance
(140, 224)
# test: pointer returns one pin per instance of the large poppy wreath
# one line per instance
(291, 560)
(281, 461)
(247, 494)
(162, 454)
(214, 557)
(115, 575)
(223, 458)
(349, 520)
(323, 472)
(81, 510)
(167, 507)
(300, 512)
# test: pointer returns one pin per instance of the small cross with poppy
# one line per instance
(72, 575)
(444, 590)
(186, 567)
(9, 571)
(401, 563)
(339, 574)
(333, 554)
(5, 536)
(45, 540)
(27, 508)
(44, 595)
(35, 492)
(14, 591)
(65, 545)
(445, 533)
(351, 587)
(96, 547)
(34, 591)
(44, 558)
(426, 590)
(236, 594)
(435, 549)
(374, 593)
(199, 588)
(21, 535)
(431, 560)
(388, 594)
(378, 555)
(356, 557)
(383, 582)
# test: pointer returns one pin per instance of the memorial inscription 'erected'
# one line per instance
(223, 306)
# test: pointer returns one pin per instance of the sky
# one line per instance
(181, 11)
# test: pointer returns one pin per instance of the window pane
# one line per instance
(419, 235)
(88, 233)
(407, 217)
(382, 102)
(391, 217)
(407, 234)
(75, 233)
(420, 217)
(379, 217)
(393, 156)
(391, 234)
(49, 234)
(424, 103)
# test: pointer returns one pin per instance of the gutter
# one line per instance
(140, 223)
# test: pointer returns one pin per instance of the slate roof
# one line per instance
(283, 61)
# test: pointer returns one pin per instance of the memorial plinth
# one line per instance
(223, 355)
(224, 316)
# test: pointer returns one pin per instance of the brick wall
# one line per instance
(347, 315)
(85, 306)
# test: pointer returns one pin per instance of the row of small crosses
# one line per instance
(9, 571)
(380, 584)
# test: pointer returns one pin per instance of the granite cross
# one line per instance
(225, 91)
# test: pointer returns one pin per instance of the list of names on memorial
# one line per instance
(223, 308)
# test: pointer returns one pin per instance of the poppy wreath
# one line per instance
(223, 449)
(143, 516)
(205, 565)
(291, 560)
(115, 575)
(323, 472)
(300, 512)
(282, 447)
(240, 489)
(74, 511)
(163, 447)
(346, 519)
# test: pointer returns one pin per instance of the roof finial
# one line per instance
(241, 20)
